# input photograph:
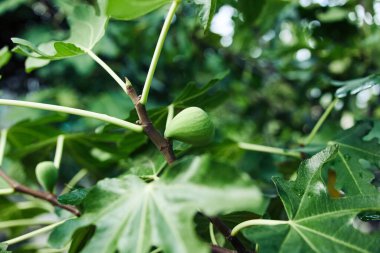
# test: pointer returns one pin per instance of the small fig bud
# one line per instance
(47, 175)
(192, 125)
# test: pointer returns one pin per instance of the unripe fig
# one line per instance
(47, 175)
(192, 125)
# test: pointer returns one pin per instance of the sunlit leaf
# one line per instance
(87, 27)
(131, 215)
(131, 9)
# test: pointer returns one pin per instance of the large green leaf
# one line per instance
(318, 222)
(131, 9)
(192, 95)
(131, 215)
(206, 12)
(87, 27)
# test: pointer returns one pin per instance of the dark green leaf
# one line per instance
(352, 176)
(202, 97)
(315, 218)
(74, 197)
(251, 9)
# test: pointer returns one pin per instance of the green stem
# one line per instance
(33, 233)
(6, 191)
(212, 234)
(3, 142)
(82, 173)
(52, 250)
(108, 69)
(156, 250)
(170, 114)
(157, 51)
(256, 222)
(266, 149)
(59, 151)
(320, 122)
(74, 111)
(23, 222)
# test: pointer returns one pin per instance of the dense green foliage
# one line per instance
(290, 158)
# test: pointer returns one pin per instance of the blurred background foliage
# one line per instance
(281, 58)
(276, 61)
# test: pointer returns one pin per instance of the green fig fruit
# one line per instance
(192, 125)
(47, 175)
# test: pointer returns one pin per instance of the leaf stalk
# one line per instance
(74, 111)
(256, 222)
(33, 233)
(157, 51)
(320, 122)
(271, 150)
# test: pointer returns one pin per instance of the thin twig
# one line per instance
(226, 232)
(51, 198)
(320, 122)
(217, 249)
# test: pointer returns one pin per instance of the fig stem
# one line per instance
(59, 151)
(157, 51)
(170, 114)
(106, 68)
(257, 222)
(3, 142)
(77, 177)
(320, 122)
(271, 150)
(33, 233)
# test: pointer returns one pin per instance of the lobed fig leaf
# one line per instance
(192, 126)
(47, 175)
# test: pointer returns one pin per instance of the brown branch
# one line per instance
(162, 144)
(217, 249)
(51, 198)
(226, 232)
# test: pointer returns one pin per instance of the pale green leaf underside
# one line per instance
(131, 9)
(206, 12)
(87, 27)
(131, 215)
(352, 87)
